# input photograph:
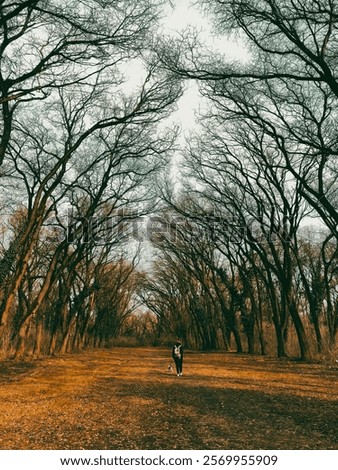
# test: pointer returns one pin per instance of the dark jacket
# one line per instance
(181, 351)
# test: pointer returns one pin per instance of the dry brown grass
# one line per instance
(126, 399)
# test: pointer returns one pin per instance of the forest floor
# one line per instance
(127, 398)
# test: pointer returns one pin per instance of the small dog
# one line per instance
(170, 369)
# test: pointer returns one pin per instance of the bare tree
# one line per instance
(287, 92)
(74, 141)
(268, 153)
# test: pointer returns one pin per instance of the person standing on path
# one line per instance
(177, 354)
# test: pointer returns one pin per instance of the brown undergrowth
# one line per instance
(127, 399)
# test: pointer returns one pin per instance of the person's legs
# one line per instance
(181, 366)
(177, 364)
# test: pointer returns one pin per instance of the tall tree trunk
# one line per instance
(300, 331)
(38, 337)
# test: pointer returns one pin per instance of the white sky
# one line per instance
(176, 19)
(185, 14)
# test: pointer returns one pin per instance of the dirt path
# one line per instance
(126, 399)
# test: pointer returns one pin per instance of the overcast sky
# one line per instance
(184, 14)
